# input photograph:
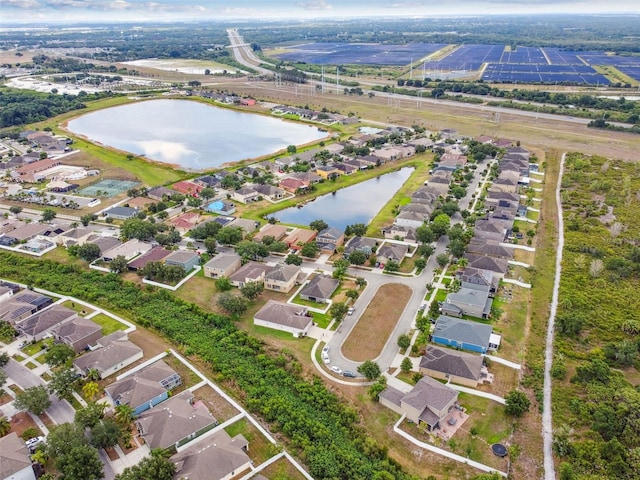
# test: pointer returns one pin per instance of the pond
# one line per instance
(355, 204)
(191, 135)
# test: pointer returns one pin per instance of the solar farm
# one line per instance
(492, 63)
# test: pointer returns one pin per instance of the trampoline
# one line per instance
(499, 450)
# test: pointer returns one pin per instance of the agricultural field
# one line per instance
(596, 407)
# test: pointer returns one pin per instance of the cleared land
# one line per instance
(372, 331)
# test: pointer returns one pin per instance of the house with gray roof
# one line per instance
(269, 191)
(400, 232)
(455, 366)
(130, 249)
(120, 213)
(490, 230)
(15, 459)
(116, 353)
(282, 278)
(159, 193)
(411, 219)
(464, 334)
(329, 239)
(104, 243)
(479, 279)
(468, 301)
(489, 248)
(319, 289)
(365, 245)
(40, 323)
(22, 305)
(498, 266)
(428, 403)
(183, 258)
(286, 317)
(156, 254)
(222, 265)
(245, 195)
(78, 333)
(175, 422)
(219, 457)
(145, 388)
(249, 272)
(391, 252)
(247, 226)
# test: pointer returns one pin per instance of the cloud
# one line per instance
(315, 5)
(23, 4)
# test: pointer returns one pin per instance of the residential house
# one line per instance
(222, 265)
(400, 232)
(74, 236)
(490, 230)
(519, 151)
(140, 202)
(468, 301)
(428, 403)
(104, 243)
(156, 254)
(245, 195)
(29, 231)
(6, 292)
(15, 459)
(219, 457)
(346, 168)
(22, 305)
(498, 266)
(221, 207)
(248, 273)
(452, 365)
(503, 143)
(282, 278)
(286, 317)
(128, 250)
(187, 187)
(391, 252)
(208, 181)
(293, 184)
(78, 333)
(421, 208)
(328, 171)
(175, 422)
(145, 388)
(160, 193)
(451, 162)
(439, 189)
(411, 219)
(309, 177)
(247, 226)
(299, 237)
(115, 352)
(278, 232)
(185, 222)
(319, 289)
(329, 239)
(40, 323)
(464, 334)
(121, 213)
(490, 248)
(501, 199)
(269, 191)
(182, 258)
(478, 279)
(423, 195)
(365, 245)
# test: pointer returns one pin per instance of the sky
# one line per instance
(20, 11)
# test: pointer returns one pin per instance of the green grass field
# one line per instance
(108, 324)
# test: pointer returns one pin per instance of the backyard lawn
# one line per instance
(260, 448)
(108, 324)
(372, 331)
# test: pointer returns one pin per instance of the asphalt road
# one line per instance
(243, 53)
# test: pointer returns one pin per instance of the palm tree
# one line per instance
(93, 375)
(5, 426)
(124, 414)
(40, 457)
(90, 390)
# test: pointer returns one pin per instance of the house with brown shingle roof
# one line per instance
(248, 273)
(455, 366)
(15, 461)
(276, 231)
(219, 457)
(175, 422)
(39, 324)
(78, 333)
(299, 237)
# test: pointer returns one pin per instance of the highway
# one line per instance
(243, 53)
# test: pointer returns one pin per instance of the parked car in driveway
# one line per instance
(34, 442)
(336, 369)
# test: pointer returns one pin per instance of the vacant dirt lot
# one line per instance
(377, 322)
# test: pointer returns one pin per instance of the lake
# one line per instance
(191, 135)
(355, 204)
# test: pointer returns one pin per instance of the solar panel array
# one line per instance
(524, 55)
(633, 72)
(467, 57)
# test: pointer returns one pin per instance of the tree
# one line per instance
(249, 250)
(62, 383)
(456, 248)
(5, 426)
(293, 259)
(442, 259)
(340, 268)
(154, 467)
(48, 214)
(230, 235)
(4, 359)
(33, 399)
(309, 249)
(391, 266)
(424, 234)
(62, 438)
(205, 230)
(124, 414)
(7, 333)
(140, 229)
(440, 225)
(118, 264)
(59, 354)
(234, 304)
(517, 403)
(223, 284)
(420, 263)
(80, 463)
(291, 149)
(251, 290)
(370, 369)
(89, 252)
(338, 310)
(90, 390)
(15, 210)
(357, 229)
(318, 225)
(88, 218)
(105, 434)
(3, 378)
(404, 341)
(211, 244)
(357, 257)
(406, 365)
(377, 388)
(207, 193)
(89, 416)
